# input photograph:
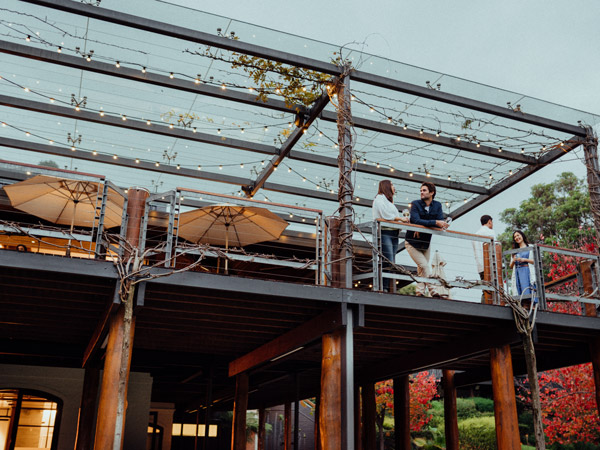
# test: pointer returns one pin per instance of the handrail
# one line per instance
(436, 232)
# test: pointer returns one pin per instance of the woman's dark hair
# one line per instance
(430, 187)
(515, 245)
(385, 188)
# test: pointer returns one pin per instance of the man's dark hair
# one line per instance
(431, 188)
(485, 219)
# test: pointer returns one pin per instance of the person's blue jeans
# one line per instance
(389, 248)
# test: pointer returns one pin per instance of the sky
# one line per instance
(543, 49)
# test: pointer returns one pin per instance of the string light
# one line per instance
(194, 130)
(114, 156)
(199, 167)
(148, 122)
(28, 38)
(94, 153)
(59, 50)
(117, 64)
(143, 70)
(171, 75)
(137, 161)
(101, 113)
(178, 167)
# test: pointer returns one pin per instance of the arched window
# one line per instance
(28, 420)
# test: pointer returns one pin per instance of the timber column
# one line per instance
(336, 415)
(112, 404)
(505, 402)
(450, 412)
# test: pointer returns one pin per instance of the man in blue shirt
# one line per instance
(426, 212)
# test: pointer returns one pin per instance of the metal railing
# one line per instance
(377, 274)
(84, 239)
(304, 235)
(573, 283)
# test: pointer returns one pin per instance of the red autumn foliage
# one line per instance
(569, 409)
(423, 389)
(562, 265)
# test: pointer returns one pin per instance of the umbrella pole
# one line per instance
(226, 248)
(68, 253)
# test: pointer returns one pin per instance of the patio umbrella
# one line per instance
(437, 270)
(64, 201)
(233, 225)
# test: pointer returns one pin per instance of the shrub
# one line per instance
(477, 433)
(484, 405)
(466, 408)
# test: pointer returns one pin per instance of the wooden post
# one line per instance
(450, 412)
(402, 413)
(585, 267)
(357, 418)
(330, 406)
(488, 296)
(87, 410)
(369, 420)
(345, 187)
(287, 426)
(261, 429)
(505, 404)
(112, 405)
(240, 405)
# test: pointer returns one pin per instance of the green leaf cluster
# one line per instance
(556, 212)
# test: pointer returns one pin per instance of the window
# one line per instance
(28, 420)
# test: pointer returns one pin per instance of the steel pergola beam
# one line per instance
(250, 99)
(121, 161)
(244, 98)
(546, 159)
(133, 124)
(77, 62)
(199, 37)
(423, 136)
(139, 125)
(287, 146)
(166, 169)
(396, 174)
(457, 100)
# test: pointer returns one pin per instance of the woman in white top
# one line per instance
(383, 208)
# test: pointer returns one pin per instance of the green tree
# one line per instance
(556, 212)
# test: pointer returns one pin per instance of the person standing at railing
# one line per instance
(487, 229)
(523, 276)
(426, 212)
(383, 208)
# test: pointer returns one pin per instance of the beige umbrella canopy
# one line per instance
(233, 225)
(65, 201)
